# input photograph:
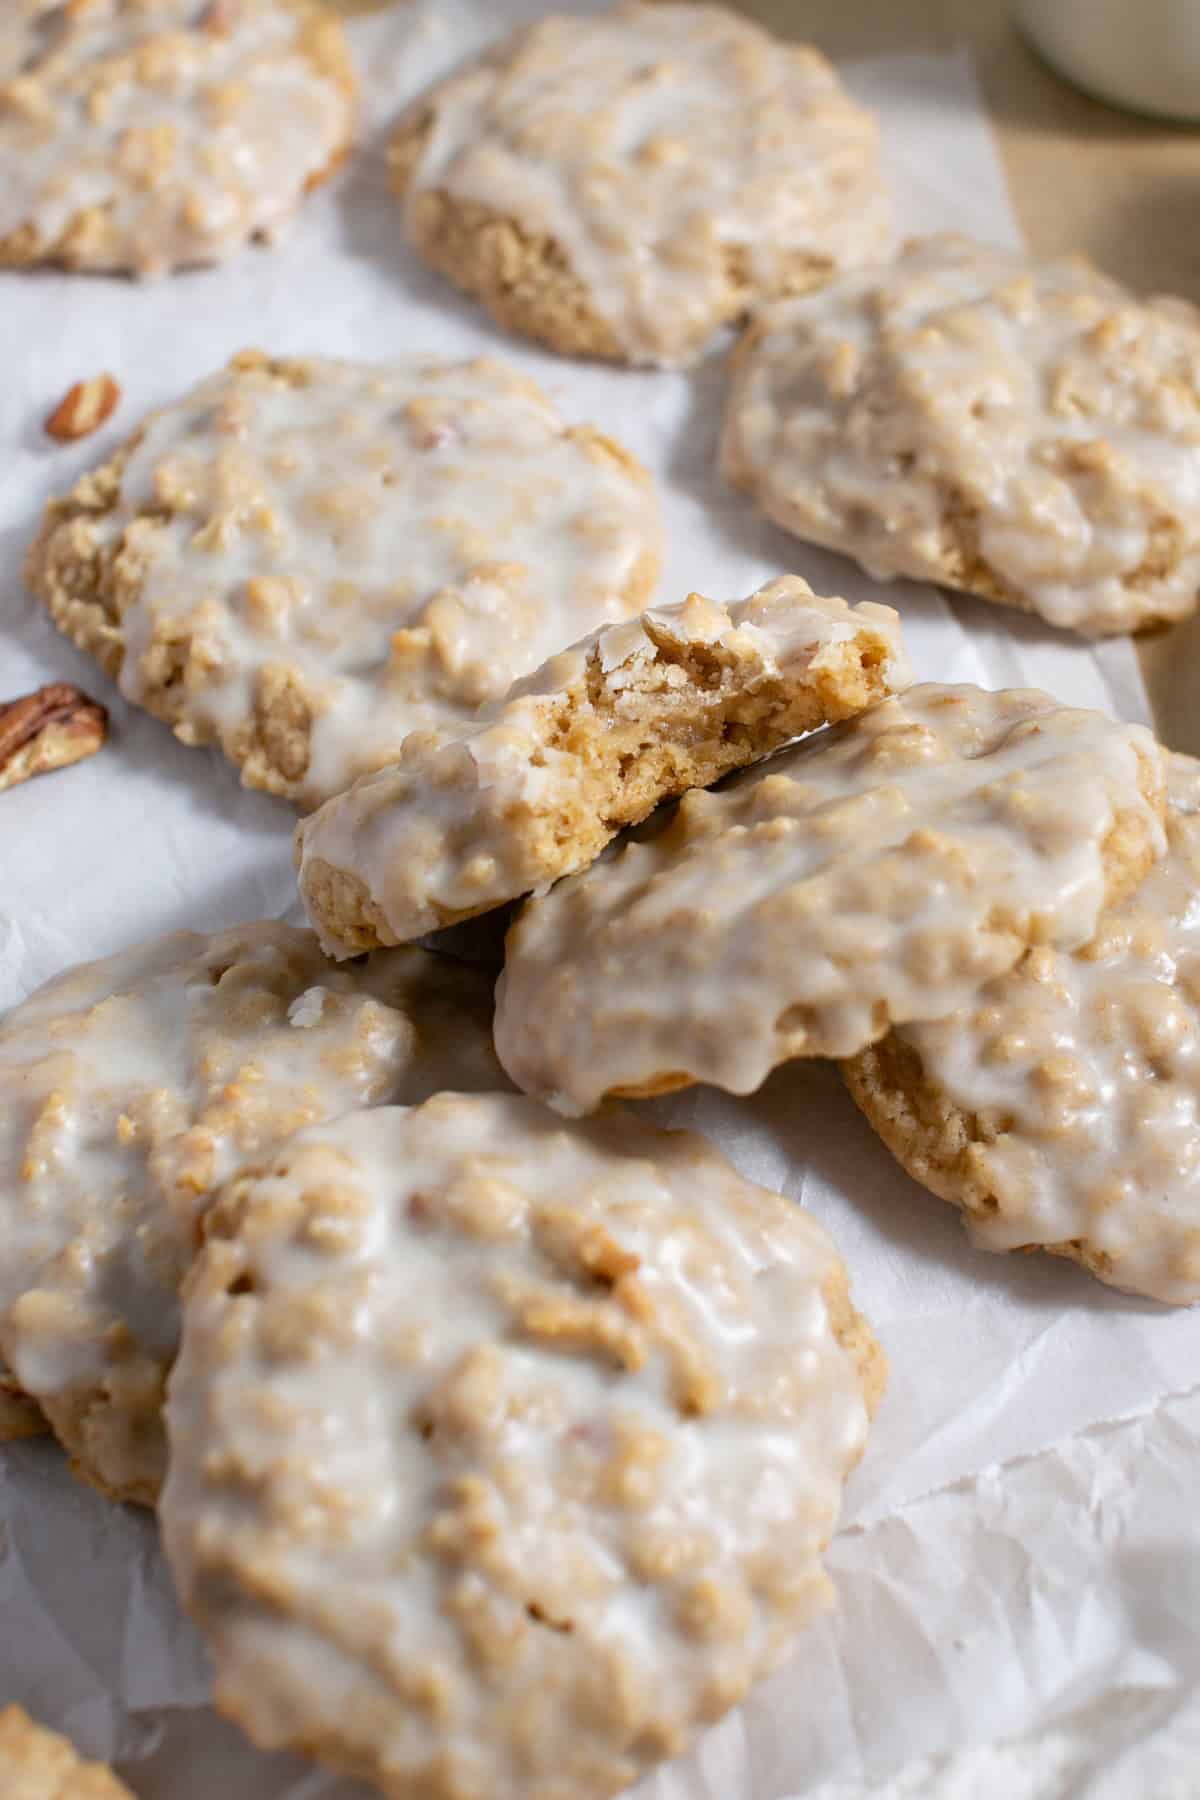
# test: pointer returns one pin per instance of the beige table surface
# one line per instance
(1083, 176)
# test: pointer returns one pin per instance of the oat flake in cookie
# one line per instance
(589, 743)
(503, 1452)
(1062, 1109)
(38, 1764)
(623, 184)
(1025, 431)
(877, 873)
(305, 560)
(129, 1090)
(147, 135)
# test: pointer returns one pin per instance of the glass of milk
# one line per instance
(1142, 54)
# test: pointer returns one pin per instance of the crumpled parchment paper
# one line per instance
(1020, 1587)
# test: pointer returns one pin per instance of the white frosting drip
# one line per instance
(878, 872)
(653, 144)
(1084, 1074)
(183, 126)
(503, 1453)
(965, 416)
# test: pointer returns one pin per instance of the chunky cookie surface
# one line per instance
(38, 1764)
(621, 185)
(502, 1452)
(879, 872)
(129, 1090)
(1062, 1109)
(305, 560)
(146, 135)
(1025, 431)
(588, 744)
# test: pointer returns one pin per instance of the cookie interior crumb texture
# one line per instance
(879, 872)
(1025, 431)
(38, 1764)
(147, 135)
(1062, 1109)
(305, 560)
(588, 744)
(621, 185)
(503, 1453)
(129, 1090)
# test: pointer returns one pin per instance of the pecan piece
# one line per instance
(56, 726)
(83, 409)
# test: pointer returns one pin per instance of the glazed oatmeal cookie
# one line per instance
(147, 135)
(588, 744)
(621, 185)
(129, 1090)
(305, 560)
(1062, 1109)
(879, 872)
(1025, 431)
(503, 1452)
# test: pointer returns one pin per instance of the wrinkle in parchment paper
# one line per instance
(1020, 1601)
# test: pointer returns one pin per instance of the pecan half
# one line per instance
(83, 409)
(56, 726)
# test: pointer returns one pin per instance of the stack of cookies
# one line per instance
(496, 1434)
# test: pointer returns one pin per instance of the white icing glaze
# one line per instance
(653, 144)
(1084, 1074)
(877, 872)
(130, 1088)
(964, 415)
(503, 1452)
(399, 542)
(154, 133)
(459, 824)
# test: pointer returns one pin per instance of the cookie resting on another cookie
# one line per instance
(305, 560)
(588, 744)
(147, 135)
(1025, 431)
(37, 1764)
(503, 1452)
(876, 873)
(621, 185)
(1062, 1109)
(129, 1090)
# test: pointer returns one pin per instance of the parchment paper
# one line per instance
(1020, 1587)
